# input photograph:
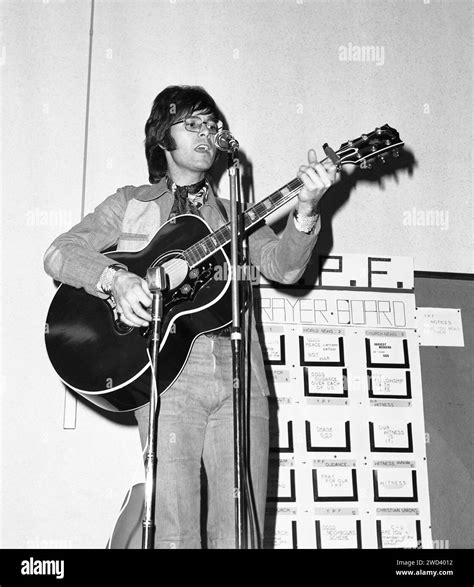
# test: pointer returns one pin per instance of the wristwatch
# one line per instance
(107, 276)
(305, 224)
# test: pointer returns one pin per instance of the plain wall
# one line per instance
(274, 67)
(447, 379)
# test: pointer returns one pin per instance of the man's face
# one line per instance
(195, 151)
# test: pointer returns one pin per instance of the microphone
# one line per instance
(156, 278)
(225, 141)
(156, 281)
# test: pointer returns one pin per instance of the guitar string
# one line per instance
(284, 198)
(194, 250)
(193, 255)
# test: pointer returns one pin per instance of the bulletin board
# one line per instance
(347, 459)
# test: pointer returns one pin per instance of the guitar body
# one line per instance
(107, 362)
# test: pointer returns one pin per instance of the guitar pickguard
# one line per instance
(184, 282)
(196, 278)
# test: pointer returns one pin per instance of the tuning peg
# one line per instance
(381, 158)
(364, 137)
(378, 131)
(366, 164)
(350, 143)
(396, 153)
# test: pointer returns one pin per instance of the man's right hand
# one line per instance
(132, 296)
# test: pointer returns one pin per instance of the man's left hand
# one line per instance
(317, 179)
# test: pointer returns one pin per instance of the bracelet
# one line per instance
(107, 276)
(305, 224)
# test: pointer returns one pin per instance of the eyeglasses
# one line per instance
(194, 124)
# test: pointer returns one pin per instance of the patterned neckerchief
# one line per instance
(188, 198)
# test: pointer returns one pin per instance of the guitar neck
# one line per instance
(208, 245)
(362, 151)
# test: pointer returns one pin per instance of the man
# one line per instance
(195, 417)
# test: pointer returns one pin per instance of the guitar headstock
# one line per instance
(370, 147)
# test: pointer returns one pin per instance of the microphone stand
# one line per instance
(156, 280)
(237, 231)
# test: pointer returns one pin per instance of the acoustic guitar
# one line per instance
(105, 361)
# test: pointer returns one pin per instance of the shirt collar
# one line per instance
(146, 193)
(210, 210)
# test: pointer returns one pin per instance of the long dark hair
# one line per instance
(172, 104)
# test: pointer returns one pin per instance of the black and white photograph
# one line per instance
(236, 291)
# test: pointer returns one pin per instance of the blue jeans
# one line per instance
(195, 425)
